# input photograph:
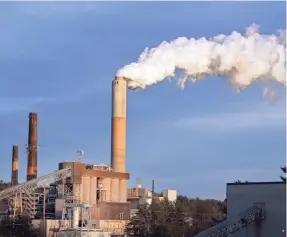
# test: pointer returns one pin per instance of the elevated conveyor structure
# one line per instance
(234, 224)
(31, 185)
(26, 192)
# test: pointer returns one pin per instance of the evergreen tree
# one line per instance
(284, 170)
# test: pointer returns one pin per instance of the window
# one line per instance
(98, 195)
(121, 216)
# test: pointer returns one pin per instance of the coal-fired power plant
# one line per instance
(118, 136)
(32, 147)
(14, 178)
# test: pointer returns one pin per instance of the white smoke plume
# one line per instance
(242, 59)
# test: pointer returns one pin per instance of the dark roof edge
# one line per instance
(243, 183)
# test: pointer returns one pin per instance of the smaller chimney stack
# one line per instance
(32, 148)
(14, 178)
(152, 190)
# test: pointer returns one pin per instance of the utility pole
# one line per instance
(44, 210)
(15, 205)
(152, 191)
(21, 207)
(152, 206)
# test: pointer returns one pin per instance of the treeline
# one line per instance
(17, 226)
(184, 218)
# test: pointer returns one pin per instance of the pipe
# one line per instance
(14, 176)
(75, 222)
(32, 146)
(152, 190)
(118, 136)
(44, 210)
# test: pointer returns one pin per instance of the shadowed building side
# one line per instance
(32, 146)
(14, 178)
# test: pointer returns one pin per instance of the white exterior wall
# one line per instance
(273, 195)
(145, 200)
(171, 195)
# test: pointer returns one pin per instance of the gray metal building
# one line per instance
(255, 209)
(271, 196)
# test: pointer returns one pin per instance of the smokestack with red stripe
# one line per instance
(14, 178)
(32, 146)
(118, 142)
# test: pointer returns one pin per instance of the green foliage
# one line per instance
(186, 217)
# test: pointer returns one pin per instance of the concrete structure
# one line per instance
(32, 147)
(76, 221)
(142, 196)
(84, 233)
(254, 209)
(118, 140)
(170, 195)
(103, 189)
(14, 175)
(138, 196)
(74, 183)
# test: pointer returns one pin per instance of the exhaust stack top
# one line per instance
(32, 147)
(118, 136)
(14, 178)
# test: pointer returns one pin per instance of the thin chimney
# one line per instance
(14, 178)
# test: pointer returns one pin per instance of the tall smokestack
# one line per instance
(32, 146)
(14, 178)
(118, 142)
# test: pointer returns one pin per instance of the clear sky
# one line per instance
(58, 59)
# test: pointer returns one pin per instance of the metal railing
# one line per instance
(235, 223)
(241, 223)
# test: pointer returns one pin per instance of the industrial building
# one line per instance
(140, 196)
(254, 209)
(102, 187)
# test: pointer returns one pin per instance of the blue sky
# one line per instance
(58, 59)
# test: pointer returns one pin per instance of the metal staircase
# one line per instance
(234, 224)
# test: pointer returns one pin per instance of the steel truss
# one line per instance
(243, 222)
(235, 223)
(31, 185)
(25, 197)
